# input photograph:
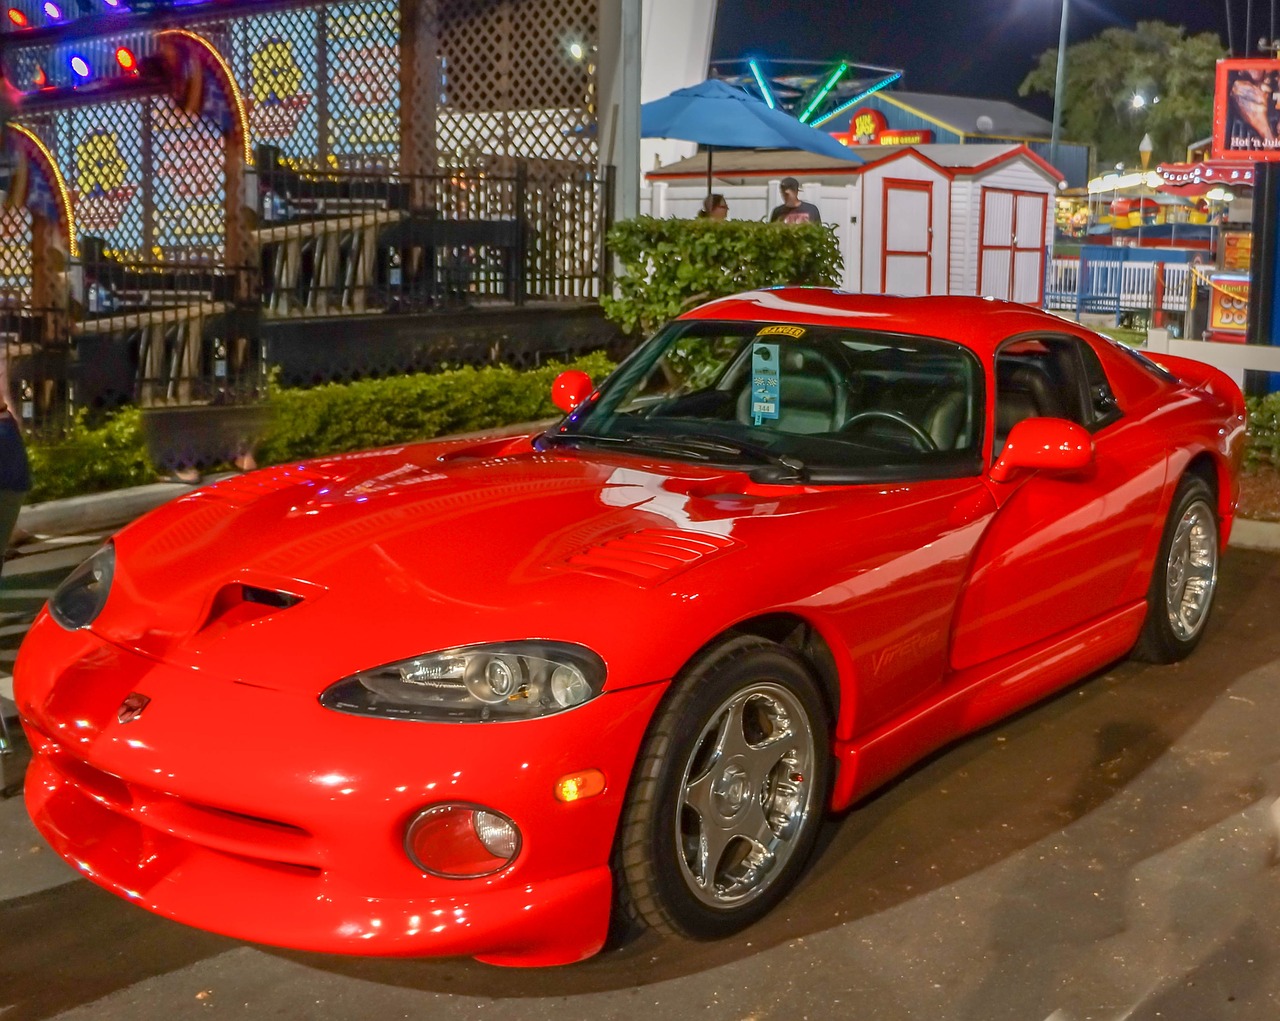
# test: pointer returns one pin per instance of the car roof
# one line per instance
(980, 324)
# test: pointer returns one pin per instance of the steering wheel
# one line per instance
(923, 440)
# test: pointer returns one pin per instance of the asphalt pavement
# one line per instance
(1108, 854)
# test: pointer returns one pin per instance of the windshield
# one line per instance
(792, 403)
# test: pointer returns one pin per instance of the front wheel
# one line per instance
(728, 793)
(1185, 576)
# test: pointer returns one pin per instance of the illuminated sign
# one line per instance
(869, 127)
(865, 126)
(1246, 122)
(914, 137)
(1229, 308)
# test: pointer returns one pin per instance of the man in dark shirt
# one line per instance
(792, 209)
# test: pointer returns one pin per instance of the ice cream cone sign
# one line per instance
(1144, 150)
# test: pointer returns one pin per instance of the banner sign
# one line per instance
(1246, 117)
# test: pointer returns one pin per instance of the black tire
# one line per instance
(1185, 576)
(728, 793)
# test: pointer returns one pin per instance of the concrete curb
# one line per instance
(1263, 535)
(96, 512)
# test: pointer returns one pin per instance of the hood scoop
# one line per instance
(238, 603)
(650, 556)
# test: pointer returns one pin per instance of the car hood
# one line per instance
(296, 575)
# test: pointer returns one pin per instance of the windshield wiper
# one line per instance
(776, 467)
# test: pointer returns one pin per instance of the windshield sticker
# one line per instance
(786, 331)
(764, 382)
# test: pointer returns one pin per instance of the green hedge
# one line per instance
(668, 266)
(326, 419)
(112, 456)
(339, 417)
(1264, 431)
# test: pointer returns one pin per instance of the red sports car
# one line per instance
(470, 697)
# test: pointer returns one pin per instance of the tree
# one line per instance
(1172, 72)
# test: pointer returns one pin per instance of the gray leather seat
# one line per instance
(1023, 390)
(947, 422)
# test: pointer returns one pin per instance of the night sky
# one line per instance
(961, 47)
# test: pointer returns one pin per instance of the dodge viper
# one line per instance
(478, 697)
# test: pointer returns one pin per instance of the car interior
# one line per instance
(876, 394)
(1050, 377)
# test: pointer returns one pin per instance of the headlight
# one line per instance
(474, 684)
(77, 602)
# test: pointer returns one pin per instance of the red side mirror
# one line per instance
(1053, 444)
(570, 389)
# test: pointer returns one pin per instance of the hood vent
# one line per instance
(237, 604)
(650, 556)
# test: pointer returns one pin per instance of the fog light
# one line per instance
(576, 786)
(461, 841)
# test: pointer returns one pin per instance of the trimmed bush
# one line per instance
(668, 266)
(1264, 431)
(84, 460)
(339, 417)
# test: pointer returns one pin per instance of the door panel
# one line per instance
(908, 238)
(995, 273)
(906, 274)
(1061, 548)
(997, 218)
(1011, 260)
(1026, 277)
(893, 612)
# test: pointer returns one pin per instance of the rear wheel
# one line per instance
(1185, 576)
(728, 794)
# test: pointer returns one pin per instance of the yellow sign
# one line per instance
(1229, 311)
(788, 331)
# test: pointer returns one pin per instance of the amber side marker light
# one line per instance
(576, 786)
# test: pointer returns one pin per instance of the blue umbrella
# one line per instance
(717, 115)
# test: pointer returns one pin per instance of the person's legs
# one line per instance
(10, 504)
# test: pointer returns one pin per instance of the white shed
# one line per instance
(926, 219)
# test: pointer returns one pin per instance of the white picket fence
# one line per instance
(1113, 286)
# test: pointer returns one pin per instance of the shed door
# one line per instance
(1011, 260)
(908, 237)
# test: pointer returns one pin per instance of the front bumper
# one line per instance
(258, 814)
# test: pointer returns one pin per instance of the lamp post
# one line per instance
(1144, 152)
(1059, 82)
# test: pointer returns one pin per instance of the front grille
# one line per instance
(217, 828)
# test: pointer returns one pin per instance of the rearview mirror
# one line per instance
(1053, 444)
(570, 389)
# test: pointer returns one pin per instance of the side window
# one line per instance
(1040, 377)
(1103, 407)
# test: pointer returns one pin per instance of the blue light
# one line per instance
(764, 85)
(80, 66)
(883, 83)
(52, 11)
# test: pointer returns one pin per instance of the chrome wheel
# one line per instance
(726, 800)
(1191, 572)
(746, 793)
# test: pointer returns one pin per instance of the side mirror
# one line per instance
(1053, 444)
(570, 389)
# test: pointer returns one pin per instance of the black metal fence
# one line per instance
(343, 242)
(328, 248)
